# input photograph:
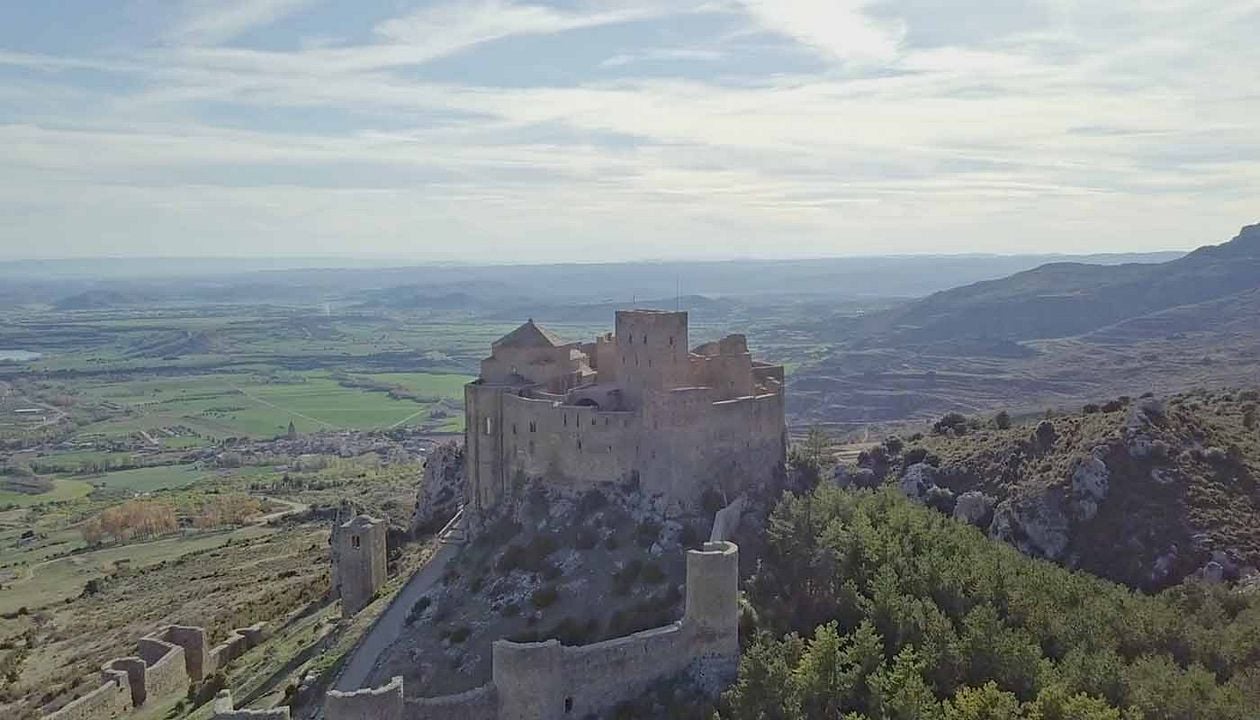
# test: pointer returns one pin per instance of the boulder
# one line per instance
(1090, 482)
(1212, 573)
(1036, 525)
(917, 480)
(940, 498)
(856, 478)
(974, 508)
(1145, 412)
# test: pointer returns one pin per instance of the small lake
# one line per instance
(19, 355)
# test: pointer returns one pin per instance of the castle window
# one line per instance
(671, 341)
(566, 420)
(631, 339)
(533, 426)
(593, 422)
(568, 705)
(354, 541)
(649, 362)
(645, 339)
(513, 428)
(605, 422)
(579, 443)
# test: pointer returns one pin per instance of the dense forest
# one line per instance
(868, 606)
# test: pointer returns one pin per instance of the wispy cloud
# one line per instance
(207, 22)
(838, 29)
(732, 127)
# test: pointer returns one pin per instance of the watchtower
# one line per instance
(359, 562)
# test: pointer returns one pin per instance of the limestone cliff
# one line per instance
(1144, 491)
(441, 488)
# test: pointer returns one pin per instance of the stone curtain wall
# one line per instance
(225, 710)
(477, 704)
(169, 661)
(548, 681)
(237, 643)
(165, 671)
(110, 700)
(382, 703)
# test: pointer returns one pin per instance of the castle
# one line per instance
(634, 405)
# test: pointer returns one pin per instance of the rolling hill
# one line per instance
(1065, 299)
(1054, 336)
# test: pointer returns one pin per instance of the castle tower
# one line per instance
(651, 351)
(712, 612)
(359, 562)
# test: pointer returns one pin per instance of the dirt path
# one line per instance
(390, 624)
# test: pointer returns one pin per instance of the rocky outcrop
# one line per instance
(975, 508)
(848, 476)
(917, 480)
(1036, 524)
(1090, 482)
(441, 489)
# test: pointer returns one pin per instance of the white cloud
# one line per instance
(207, 22)
(838, 29)
(1102, 129)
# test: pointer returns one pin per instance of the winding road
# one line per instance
(390, 624)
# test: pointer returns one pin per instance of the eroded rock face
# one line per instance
(975, 508)
(441, 490)
(1090, 482)
(1036, 524)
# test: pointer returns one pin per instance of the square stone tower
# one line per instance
(359, 567)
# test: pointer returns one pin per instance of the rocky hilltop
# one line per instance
(1145, 491)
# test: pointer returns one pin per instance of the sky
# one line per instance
(598, 130)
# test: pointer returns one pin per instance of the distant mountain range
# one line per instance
(1054, 335)
(1066, 299)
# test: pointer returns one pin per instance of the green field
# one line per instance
(263, 404)
(63, 489)
(150, 479)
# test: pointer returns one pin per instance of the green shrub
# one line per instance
(544, 596)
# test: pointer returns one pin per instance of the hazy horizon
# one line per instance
(494, 131)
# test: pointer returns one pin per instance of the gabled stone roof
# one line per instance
(530, 335)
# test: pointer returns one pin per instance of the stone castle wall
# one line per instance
(165, 670)
(166, 664)
(224, 709)
(681, 422)
(111, 700)
(549, 681)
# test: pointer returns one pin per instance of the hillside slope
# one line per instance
(1064, 299)
(1143, 492)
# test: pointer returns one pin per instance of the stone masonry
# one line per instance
(550, 681)
(635, 405)
(167, 662)
(359, 563)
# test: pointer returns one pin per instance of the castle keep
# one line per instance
(635, 404)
